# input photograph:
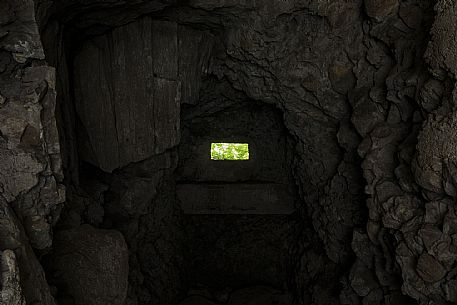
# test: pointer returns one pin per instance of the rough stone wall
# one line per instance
(127, 95)
(291, 72)
(30, 166)
(128, 122)
(349, 90)
(426, 248)
(374, 123)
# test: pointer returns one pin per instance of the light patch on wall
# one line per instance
(229, 151)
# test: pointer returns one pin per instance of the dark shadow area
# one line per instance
(240, 216)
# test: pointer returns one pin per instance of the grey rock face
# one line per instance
(436, 152)
(380, 9)
(19, 30)
(30, 173)
(22, 265)
(429, 269)
(29, 148)
(10, 291)
(143, 55)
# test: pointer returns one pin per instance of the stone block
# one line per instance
(91, 266)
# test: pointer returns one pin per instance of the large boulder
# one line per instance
(90, 266)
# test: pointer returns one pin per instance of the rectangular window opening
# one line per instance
(229, 151)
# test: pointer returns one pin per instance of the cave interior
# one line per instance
(144, 115)
(109, 192)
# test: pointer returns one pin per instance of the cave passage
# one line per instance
(147, 140)
(238, 215)
(232, 152)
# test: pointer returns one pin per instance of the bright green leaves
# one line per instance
(229, 151)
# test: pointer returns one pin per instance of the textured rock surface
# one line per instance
(366, 90)
(30, 172)
(11, 291)
(90, 266)
(30, 167)
(23, 265)
(142, 59)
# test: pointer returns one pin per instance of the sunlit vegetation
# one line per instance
(229, 151)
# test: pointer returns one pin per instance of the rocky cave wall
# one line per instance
(366, 89)
(126, 155)
(31, 188)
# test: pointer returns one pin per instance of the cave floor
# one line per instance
(254, 295)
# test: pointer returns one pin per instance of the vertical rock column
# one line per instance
(127, 94)
(127, 97)
(30, 172)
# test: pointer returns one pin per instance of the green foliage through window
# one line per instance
(229, 151)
